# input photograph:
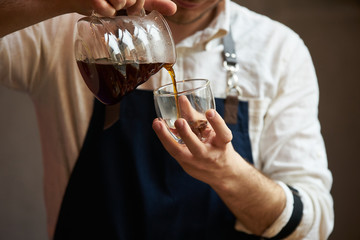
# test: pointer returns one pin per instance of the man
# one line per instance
(264, 175)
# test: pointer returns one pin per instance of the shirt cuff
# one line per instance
(281, 221)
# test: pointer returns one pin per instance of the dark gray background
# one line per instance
(331, 30)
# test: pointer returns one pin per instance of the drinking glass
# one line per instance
(193, 98)
(116, 54)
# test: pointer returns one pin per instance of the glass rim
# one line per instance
(207, 82)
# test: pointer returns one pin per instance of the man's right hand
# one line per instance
(109, 7)
(18, 14)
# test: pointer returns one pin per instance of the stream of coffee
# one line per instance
(170, 69)
(197, 126)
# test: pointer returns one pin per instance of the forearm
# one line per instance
(18, 14)
(254, 199)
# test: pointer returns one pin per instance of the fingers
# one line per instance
(136, 8)
(104, 8)
(109, 7)
(186, 109)
(120, 4)
(192, 141)
(223, 133)
(165, 137)
(165, 7)
(221, 137)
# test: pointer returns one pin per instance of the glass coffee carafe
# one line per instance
(117, 54)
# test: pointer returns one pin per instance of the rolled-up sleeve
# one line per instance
(292, 149)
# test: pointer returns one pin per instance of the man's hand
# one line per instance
(109, 7)
(18, 14)
(253, 198)
(210, 160)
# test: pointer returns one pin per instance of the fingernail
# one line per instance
(179, 123)
(210, 113)
(156, 125)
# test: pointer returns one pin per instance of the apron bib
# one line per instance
(126, 186)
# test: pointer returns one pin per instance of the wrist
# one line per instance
(229, 180)
(254, 199)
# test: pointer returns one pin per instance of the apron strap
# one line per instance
(233, 90)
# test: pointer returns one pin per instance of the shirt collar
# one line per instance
(218, 28)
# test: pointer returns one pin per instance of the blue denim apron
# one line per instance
(126, 186)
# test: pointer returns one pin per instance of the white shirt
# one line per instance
(276, 75)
